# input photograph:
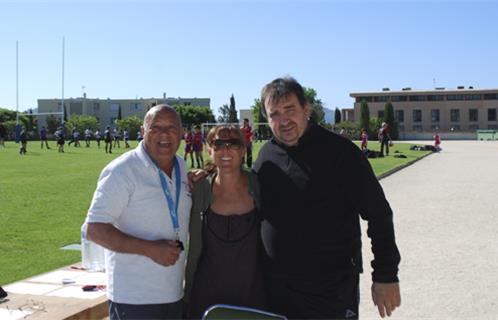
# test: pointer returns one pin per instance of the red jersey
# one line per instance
(247, 132)
(188, 137)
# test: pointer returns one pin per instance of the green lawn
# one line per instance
(44, 197)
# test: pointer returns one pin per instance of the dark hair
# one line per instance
(279, 89)
(222, 131)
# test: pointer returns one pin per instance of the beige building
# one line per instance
(455, 113)
(106, 110)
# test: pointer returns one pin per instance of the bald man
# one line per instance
(140, 214)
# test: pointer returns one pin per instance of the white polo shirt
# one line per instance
(129, 196)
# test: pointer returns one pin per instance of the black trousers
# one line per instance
(121, 311)
(315, 297)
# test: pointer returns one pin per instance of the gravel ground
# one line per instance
(446, 221)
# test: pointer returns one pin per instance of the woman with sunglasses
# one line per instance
(225, 257)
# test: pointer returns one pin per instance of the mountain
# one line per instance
(329, 115)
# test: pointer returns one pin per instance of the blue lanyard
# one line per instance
(173, 209)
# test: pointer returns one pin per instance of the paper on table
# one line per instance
(13, 314)
(57, 276)
(76, 292)
(30, 288)
(91, 278)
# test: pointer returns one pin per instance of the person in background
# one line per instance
(126, 136)
(198, 146)
(88, 136)
(43, 137)
(98, 137)
(117, 137)
(247, 132)
(437, 141)
(3, 134)
(108, 139)
(23, 139)
(384, 138)
(140, 214)
(364, 140)
(189, 138)
(60, 136)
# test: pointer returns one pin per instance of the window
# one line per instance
(417, 128)
(417, 115)
(96, 106)
(380, 114)
(399, 98)
(381, 99)
(438, 97)
(417, 98)
(361, 99)
(472, 97)
(491, 96)
(454, 97)
(491, 114)
(114, 106)
(492, 126)
(434, 127)
(135, 106)
(455, 115)
(399, 115)
(435, 115)
(401, 128)
(455, 128)
(473, 127)
(473, 115)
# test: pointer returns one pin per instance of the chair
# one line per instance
(226, 311)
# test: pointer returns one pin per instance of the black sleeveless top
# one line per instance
(230, 266)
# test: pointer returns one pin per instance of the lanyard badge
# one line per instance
(172, 205)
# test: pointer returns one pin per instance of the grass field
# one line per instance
(44, 197)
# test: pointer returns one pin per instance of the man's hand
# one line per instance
(164, 252)
(194, 176)
(386, 297)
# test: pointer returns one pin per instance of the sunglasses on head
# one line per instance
(233, 144)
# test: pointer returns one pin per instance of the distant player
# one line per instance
(437, 141)
(197, 146)
(98, 137)
(23, 138)
(43, 137)
(60, 136)
(189, 139)
(108, 139)
(247, 132)
(117, 137)
(88, 136)
(126, 137)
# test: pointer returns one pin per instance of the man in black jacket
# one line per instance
(314, 186)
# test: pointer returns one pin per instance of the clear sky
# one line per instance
(129, 49)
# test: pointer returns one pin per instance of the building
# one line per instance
(107, 110)
(455, 113)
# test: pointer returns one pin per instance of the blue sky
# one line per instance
(128, 49)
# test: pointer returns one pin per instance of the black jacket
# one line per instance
(312, 196)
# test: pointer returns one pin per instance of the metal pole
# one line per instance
(17, 82)
(62, 104)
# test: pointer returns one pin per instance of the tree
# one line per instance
(132, 123)
(257, 115)
(316, 105)
(52, 123)
(365, 117)
(193, 115)
(224, 114)
(232, 112)
(228, 114)
(65, 113)
(337, 116)
(389, 119)
(82, 122)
